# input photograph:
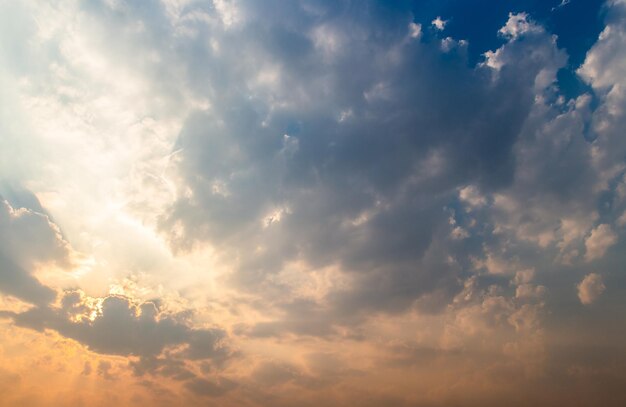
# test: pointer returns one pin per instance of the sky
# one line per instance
(312, 203)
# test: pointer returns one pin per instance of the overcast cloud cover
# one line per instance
(310, 202)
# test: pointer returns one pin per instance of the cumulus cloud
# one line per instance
(590, 288)
(439, 24)
(518, 24)
(115, 325)
(347, 168)
(472, 196)
(599, 241)
(363, 192)
(156, 343)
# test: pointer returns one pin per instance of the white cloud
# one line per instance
(599, 241)
(471, 196)
(458, 233)
(415, 30)
(439, 24)
(590, 288)
(517, 25)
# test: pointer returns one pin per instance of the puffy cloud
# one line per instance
(598, 242)
(156, 343)
(362, 191)
(590, 288)
(161, 342)
(439, 24)
(349, 170)
(115, 325)
(604, 70)
(518, 24)
(472, 196)
(604, 63)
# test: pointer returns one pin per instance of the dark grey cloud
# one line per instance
(210, 388)
(121, 327)
(18, 282)
(28, 239)
(157, 342)
(336, 138)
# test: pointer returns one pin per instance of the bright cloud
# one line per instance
(590, 288)
(598, 242)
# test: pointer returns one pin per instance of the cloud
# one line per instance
(360, 183)
(103, 370)
(114, 325)
(590, 288)
(203, 387)
(471, 196)
(364, 192)
(157, 342)
(439, 24)
(561, 5)
(598, 242)
(518, 24)
(621, 221)
(29, 240)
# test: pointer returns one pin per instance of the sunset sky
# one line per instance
(312, 203)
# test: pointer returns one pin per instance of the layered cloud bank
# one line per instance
(309, 203)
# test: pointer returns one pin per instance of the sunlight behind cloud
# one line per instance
(314, 202)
